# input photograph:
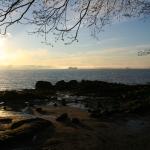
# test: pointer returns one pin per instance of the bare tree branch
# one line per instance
(64, 18)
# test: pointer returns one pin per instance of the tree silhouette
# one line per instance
(64, 18)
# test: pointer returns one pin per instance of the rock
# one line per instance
(55, 105)
(63, 118)
(39, 109)
(28, 110)
(63, 102)
(24, 131)
(43, 85)
(61, 85)
(5, 120)
(5, 108)
(73, 84)
(95, 114)
(76, 121)
(22, 122)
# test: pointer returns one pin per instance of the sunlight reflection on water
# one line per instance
(4, 113)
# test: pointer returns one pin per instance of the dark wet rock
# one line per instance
(4, 108)
(55, 105)
(10, 94)
(63, 118)
(61, 85)
(28, 110)
(95, 114)
(76, 121)
(43, 85)
(22, 122)
(73, 84)
(5, 120)
(29, 104)
(27, 131)
(41, 111)
(63, 102)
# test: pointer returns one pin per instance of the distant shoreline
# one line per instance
(72, 68)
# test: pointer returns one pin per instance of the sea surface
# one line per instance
(26, 79)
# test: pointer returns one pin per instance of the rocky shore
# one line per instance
(95, 96)
(72, 128)
(86, 115)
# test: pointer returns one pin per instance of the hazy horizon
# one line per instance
(28, 67)
(118, 47)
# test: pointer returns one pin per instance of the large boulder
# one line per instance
(61, 85)
(73, 85)
(43, 85)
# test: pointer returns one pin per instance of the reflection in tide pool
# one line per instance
(4, 113)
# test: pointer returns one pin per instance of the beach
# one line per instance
(87, 115)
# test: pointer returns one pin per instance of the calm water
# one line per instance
(21, 79)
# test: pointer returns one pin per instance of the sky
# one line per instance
(117, 47)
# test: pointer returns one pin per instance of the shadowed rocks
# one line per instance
(63, 118)
(5, 120)
(26, 131)
(43, 85)
(73, 122)
(102, 98)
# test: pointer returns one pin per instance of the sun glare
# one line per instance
(2, 51)
(2, 54)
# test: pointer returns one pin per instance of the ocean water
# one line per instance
(26, 79)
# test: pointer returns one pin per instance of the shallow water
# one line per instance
(4, 113)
